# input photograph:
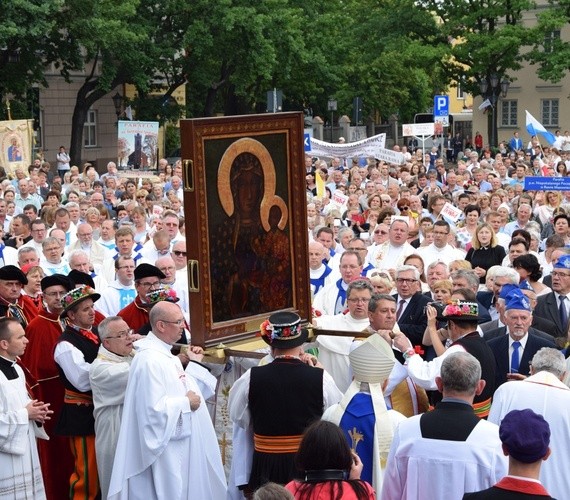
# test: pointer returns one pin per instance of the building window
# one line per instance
(549, 109)
(90, 129)
(551, 40)
(460, 93)
(509, 108)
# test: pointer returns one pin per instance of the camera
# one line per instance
(439, 307)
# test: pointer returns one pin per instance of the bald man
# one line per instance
(320, 272)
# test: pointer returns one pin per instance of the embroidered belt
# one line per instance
(483, 408)
(277, 444)
(77, 398)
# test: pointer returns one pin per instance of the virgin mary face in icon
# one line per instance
(247, 185)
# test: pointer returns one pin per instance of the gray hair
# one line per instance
(344, 230)
(26, 250)
(71, 204)
(76, 253)
(507, 272)
(50, 240)
(438, 263)
(469, 276)
(460, 372)
(103, 327)
(359, 284)
(550, 360)
(402, 269)
(377, 297)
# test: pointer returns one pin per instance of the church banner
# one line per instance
(16, 144)
(373, 146)
(137, 146)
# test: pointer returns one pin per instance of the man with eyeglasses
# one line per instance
(180, 257)
(440, 249)
(393, 252)
(333, 350)
(180, 457)
(53, 262)
(168, 267)
(411, 303)
(43, 332)
(147, 279)
(121, 292)
(108, 375)
(555, 306)
(39, 233)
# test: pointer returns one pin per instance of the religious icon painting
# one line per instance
(244, 196)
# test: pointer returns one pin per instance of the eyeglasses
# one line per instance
(149, 285)
(559, 274)
(380, 232)
(407, 281)
(404, 208)
(178, 322)
(179, 253)
(123, 335)
(359, 301)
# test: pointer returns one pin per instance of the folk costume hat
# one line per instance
(460, 310)
(77, 295)
(147, 270)
(13, 273)
(162, 294)
(54, 280)
(283, 330)
(80, 278)
(526, 435)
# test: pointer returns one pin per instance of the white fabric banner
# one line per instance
(373, 146)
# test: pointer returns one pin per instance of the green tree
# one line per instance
(486, 37)
(23, 45)
(551, 53)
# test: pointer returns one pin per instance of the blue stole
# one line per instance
(126, 296)
(369, 267)
(318, 283)
(357, 423)
(2, 247)
(340, 303)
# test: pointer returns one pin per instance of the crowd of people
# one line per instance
(439, 294)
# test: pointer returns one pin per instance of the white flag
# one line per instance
(485, 104)
(129, 113)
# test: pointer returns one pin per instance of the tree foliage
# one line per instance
(23, 48)
(552, 54)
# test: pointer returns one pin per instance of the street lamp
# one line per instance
(332, 105)
(491, 88)
(118, 103)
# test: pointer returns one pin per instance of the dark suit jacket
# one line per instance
(500, 348)
(413, 320)
(502, 332)
(485, 298)
(547, 308)
(496, 493)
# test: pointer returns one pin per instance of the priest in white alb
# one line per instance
(167, 447)
(108, 375)
(20, 421)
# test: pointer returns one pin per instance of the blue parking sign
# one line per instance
(307, 142)
(441, 105)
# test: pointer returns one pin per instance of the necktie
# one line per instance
(16, 312)
(515, 359)
(400, 309)
(563, 313)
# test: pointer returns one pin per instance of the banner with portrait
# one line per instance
(246, 226)
(16, 140)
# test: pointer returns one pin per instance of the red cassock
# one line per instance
(29, 307)
(135, 314)
(55, 455)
